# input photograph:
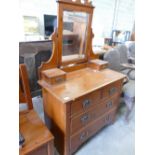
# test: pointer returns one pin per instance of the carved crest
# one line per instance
(82, 2)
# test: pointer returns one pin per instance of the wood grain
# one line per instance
(85, 133)
(71, 91)
(24, 88)
(35, 133)
(88, 99)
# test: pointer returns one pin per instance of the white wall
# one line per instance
(35, 8)
(102, 18)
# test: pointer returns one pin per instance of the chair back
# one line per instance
(122, 49)
(24, 89)
(132, 49)
(113, 58)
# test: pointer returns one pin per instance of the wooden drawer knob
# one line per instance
(108, 119)
(83, 135)
(112, 91)
(86, 103)
(85, 118)
(109, 104)
(59, 79)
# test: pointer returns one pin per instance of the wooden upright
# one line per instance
(80, 94)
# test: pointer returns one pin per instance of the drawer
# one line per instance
(84, 103)
(83, 135)
(107, 105)
(84, 119)
(111, 90)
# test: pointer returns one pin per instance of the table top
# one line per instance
(33, 130)
(81, 82)
(102, 50)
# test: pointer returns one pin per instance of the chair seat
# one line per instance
(38, 107)
(131, 74)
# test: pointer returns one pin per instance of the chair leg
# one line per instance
(130, 105)
(127, 114)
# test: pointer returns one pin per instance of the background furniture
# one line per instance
(32, 54)
(118, 61)
(126, 67)
(113, 58)
(119, 37)
(38, 139)
(70, 43)
(131, 52)
(81, 95)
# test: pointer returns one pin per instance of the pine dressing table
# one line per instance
(80, 94)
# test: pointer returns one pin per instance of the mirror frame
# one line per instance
(55, 61)
(77, 6)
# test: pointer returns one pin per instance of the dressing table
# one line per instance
(80, 94)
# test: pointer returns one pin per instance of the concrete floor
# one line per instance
(115, 139)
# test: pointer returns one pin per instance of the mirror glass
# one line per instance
(75, 26)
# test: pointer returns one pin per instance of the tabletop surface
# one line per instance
(81, 82)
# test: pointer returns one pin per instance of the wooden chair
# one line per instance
(24, 89)
(29, 122)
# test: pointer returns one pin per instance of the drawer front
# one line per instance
(85, 103)
(111, 90)
(79, 138)
(84, 119)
